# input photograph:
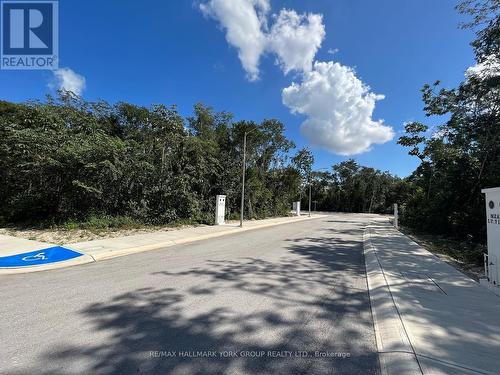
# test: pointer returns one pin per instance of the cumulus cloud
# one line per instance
(339, 109)
(295, 38)
(67, 80)
(243, 21)
(337, 105)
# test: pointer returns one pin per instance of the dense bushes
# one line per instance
(68, 159)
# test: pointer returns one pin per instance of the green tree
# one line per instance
(462, 156)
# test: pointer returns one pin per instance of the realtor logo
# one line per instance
(29, 37)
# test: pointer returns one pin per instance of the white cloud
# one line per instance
(439, 133)
(243, 21)
(488, 68)
(337, 105)
(295, 38)
(339, 110)
(67, 80)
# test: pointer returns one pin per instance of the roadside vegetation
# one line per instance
(67, 163)
(69, 160)
(462, 155)
(441, 201)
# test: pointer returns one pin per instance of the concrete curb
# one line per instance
(396, 353)
(84, 259)
(98, 256)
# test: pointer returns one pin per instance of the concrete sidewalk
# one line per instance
(429, 318)
(10, 245)
(118, 246)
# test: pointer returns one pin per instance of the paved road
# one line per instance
(258, 301)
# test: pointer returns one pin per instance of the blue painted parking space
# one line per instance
(39, 257)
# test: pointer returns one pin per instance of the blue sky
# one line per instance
(169, 52)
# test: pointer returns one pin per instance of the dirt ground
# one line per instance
(63, 236)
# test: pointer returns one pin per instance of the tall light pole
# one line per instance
(244, 167)
(310, 188)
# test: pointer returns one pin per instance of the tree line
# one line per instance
(349, 187)
(70, 159)
(462, 155)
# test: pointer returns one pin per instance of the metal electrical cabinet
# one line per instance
(220, 209)
(493, 230)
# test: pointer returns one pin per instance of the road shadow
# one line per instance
(240, 315)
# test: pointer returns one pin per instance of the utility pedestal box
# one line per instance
(296, 208)
(493, 229)
(220, 209)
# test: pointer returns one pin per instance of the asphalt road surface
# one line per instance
(289, 299)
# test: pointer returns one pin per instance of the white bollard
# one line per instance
(220, 209)
(396, 224)
(296, 208)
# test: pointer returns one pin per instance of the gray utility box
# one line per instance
(220, 209)
(493, 229)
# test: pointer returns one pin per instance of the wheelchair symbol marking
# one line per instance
(32, 258)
